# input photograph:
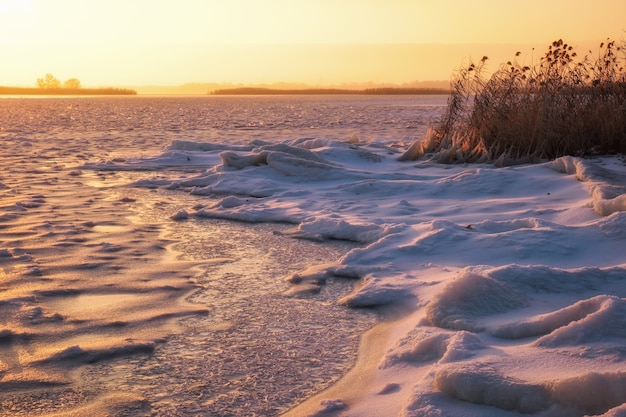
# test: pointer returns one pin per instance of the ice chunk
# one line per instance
(235, 160)
(333, 228)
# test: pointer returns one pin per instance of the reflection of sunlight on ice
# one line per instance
(91, 305)
(109, 228)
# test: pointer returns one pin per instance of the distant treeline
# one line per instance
(314, 91)
(66, 91)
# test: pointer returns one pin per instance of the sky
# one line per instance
(318, 42)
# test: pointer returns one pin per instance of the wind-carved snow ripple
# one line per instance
(475, 306)
(477, 293)
(607, 187)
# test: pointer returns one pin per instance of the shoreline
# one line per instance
(361, 378)
(34, 91)
(329, 91)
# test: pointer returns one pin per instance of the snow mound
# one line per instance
(614, 225)
(607, 185)
(605, 207)
(591, 393)
(253, 210)
(287, 160)
(582, 321)
(430, 344)
(297, 166)
(478, 292)
(589, 320)
(219, 184)
(473, 295)
(481, 384)
(374, 293)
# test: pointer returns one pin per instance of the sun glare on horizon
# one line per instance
(165, 42)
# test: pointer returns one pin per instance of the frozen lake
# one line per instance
(94, 272)
(191, 256)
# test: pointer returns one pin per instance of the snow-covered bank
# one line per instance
(516, 275)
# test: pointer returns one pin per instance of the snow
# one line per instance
(512, 281)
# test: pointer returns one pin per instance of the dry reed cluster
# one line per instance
(563, 105)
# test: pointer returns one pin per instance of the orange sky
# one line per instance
(170, 42)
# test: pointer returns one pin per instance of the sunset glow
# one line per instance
(356, 208)
(140, 42)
